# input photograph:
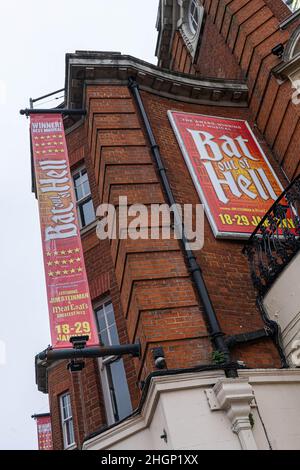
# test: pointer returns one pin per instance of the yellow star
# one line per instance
(48, 253)
(72, 271)
(65, 271)
(56, 262)
(70, 252)
(71, 261)
(36, 138)
(42, 137)
(78, 259)
(76, 250)
(37, 152)
(63, 252)
(37, 145)
(79, 270)
(51, 273)
(55, 253)
(50, 263)
(57, 273)
(64, 262)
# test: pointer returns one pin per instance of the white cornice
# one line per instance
(158, 385)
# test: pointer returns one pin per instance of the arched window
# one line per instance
(293, 5)
(296, 49)
(193, 16)
(190, 22)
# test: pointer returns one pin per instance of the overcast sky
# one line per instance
(34, 37)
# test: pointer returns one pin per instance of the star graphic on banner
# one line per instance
(36, 138)
(78, 259)
(70, 252)
(71, 261)
(76, 250)
(57, 273)
(63, 252)
(72, 271)
(65, 271)
(64, 262)
(50, 263)
(79, 270)
(48, 253)
(56, 262)
(37, 152)
(55, 253)
(37, 145)
(51, 273)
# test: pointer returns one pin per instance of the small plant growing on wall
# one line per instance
(218, 357)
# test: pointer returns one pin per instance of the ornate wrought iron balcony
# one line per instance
(276, 239)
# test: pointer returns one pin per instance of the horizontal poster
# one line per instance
(233, 177)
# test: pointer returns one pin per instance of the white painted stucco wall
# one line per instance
(282, 304)
(179, 405)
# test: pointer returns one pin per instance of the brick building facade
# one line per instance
(221, 64)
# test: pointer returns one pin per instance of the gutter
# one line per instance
(214, 328)
(220, 342)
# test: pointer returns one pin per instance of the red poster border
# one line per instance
(195, 179)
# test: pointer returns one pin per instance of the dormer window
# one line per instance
(190, 23)
(193, 16)
(293, 5)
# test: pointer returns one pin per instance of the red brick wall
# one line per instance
(151, 289)
(225, 269)
(222, 64)
(243, 33)
(155, 288)
(102, 281)
(181, 58)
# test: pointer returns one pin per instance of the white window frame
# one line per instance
(86, 198)
(189, 33)
(293, 5)
(193, 11)
(103, 362)
(66, 420)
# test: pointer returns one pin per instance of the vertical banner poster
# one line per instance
(44, 432)
(70, 309)
(233, 177)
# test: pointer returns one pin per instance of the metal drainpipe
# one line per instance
(214, 328)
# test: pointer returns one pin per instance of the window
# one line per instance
(113, 376)
(85, 208)
(190, 23)
(193, 16)
(67, 420)
(293, 5)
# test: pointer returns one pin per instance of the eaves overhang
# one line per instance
(84, 68)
